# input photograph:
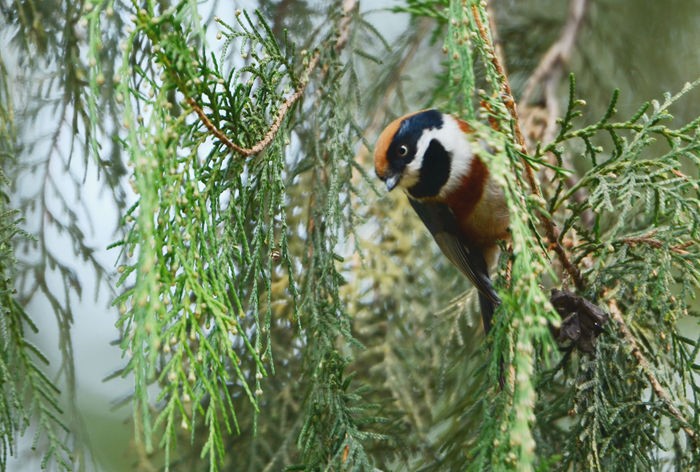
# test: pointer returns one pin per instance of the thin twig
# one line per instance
(550, 69)
(649, 240)
(274, 127)
(497, 45)
(507, 94)
(550, 230)
(343, 36)
(548, 75)
(646, 369)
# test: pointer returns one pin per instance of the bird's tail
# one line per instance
(488, 304)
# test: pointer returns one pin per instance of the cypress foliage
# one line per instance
(28, 395)
(278, 312)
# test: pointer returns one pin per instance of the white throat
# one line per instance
(455, 142)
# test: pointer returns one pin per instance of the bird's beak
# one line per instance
(392, 181)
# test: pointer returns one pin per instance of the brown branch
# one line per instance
(508, 99)
(649, 240)
(548, 75)
(646, 369)
(550, 69)
(213, 129)
(343, 36)
(274, 127)
(344, 26)
(550, 229)
(497, 45)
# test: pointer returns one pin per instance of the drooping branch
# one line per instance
(550, 70)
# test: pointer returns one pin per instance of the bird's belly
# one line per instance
(488, 220)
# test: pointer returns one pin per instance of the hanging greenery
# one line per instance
(277, 311)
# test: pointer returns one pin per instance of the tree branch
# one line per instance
(649, 240)
(550, 229)
(548, 75)
(274, 127)
(343, 36)
(549, 71)
(646, 369)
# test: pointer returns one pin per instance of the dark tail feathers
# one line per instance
(488, 305)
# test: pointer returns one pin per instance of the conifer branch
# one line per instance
(649, 240)
(276, 124)
(228, 258)
(644, 365)
(507, 94)
(553, 59)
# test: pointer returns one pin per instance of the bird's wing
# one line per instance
(469, 259)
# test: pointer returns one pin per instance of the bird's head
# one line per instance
(427, 153)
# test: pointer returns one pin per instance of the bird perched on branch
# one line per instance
(441, 164)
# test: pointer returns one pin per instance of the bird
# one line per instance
(441, 163)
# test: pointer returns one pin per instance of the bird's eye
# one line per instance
(403, 150)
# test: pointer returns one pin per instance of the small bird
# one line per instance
(438, 160)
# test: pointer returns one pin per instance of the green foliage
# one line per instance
(209, 239)
(27, 395)
(31, 401)
(277, 311)
(496, 430)
(639, 255)
(643, 253)
(337, 419)
(435, 9)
